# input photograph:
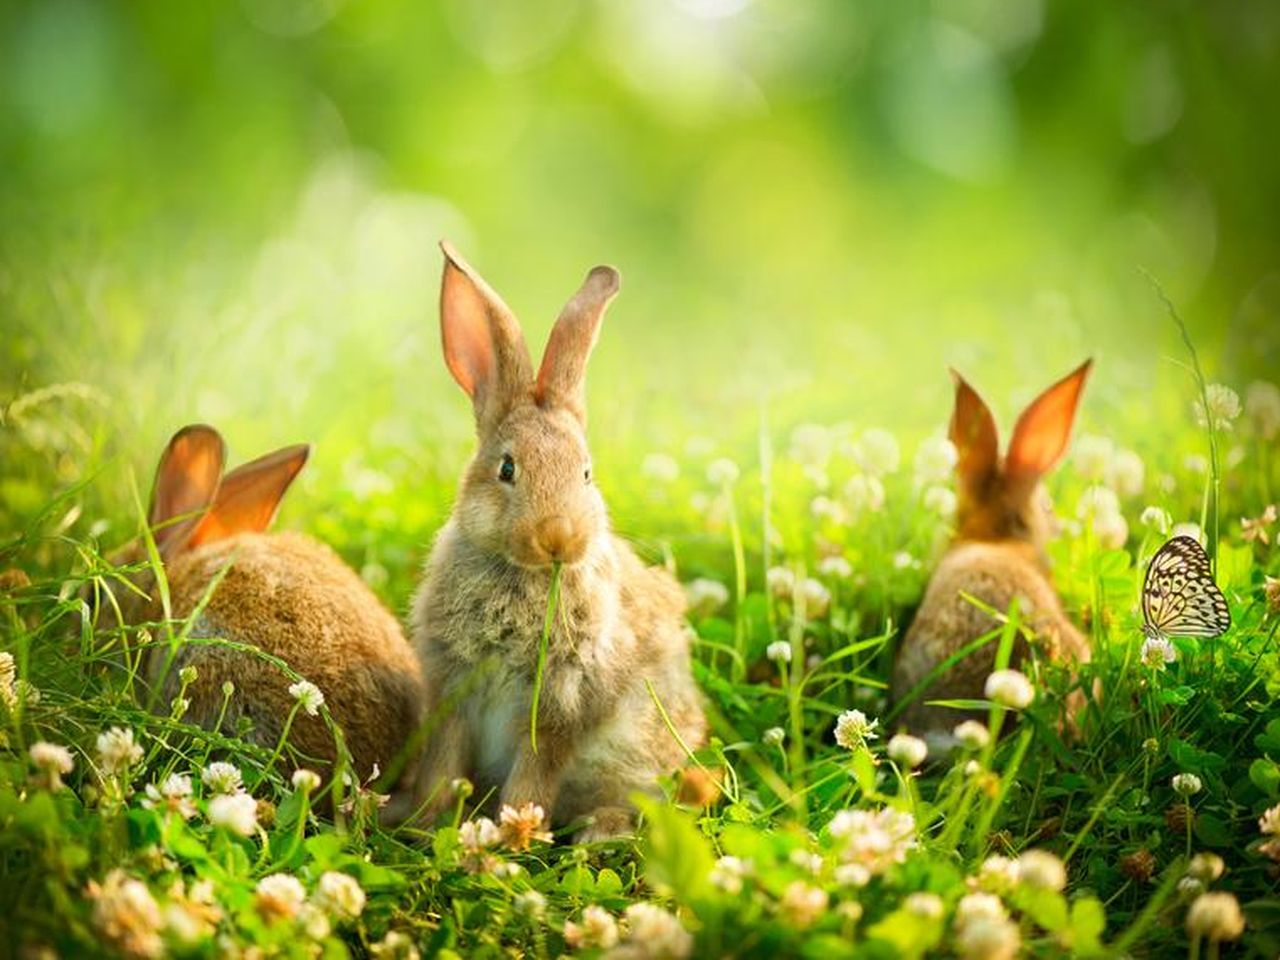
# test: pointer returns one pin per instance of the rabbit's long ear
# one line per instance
(1042, 432)
(483, 345)
(250, 495)
(185, 486)
(562, 376)
(973, 431)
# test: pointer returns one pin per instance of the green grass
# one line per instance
(1103, 802)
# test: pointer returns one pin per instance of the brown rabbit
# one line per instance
(997, 555)
(526, 502)
(284, 593)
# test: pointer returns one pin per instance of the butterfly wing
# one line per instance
(1179, 597)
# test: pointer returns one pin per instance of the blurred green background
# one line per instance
(229, 212)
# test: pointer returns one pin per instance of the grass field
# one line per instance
(232, 218)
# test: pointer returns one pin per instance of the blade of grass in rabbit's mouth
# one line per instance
(553, 603)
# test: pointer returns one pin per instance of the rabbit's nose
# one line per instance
(555, 536)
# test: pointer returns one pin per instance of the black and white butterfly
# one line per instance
(1179, 597)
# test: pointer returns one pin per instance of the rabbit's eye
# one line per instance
(586, 473)
(507, 469)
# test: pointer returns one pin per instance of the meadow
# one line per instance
(232, 217)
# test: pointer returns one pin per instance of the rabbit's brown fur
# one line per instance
(286, 594)
(997, 556)
(478, 617)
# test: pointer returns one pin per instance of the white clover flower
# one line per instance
(1127, 474)
(1092, 456)
(802, 904)
(906, 750)
(972, 735)
(1157, 518)
(1041, 869)
(817, 598)
(221, 777)
(781, 582)
(1215, 916)
(127, 915)
(598, 929)
(1112, 530)
(1224, 406)
(902, 560)
(52, 761)
(479, 834)
(117, 750)
(832, 511)
(530, 903)
(940, 500)
(927, 906)
(706, 596)
(314, 922)
(864, 493)
(396, 945)
(852, 875)
(188, 675)
(853, 729)
(980, 906)
(308, 695)
(173, 796)
(279, 896)
(339, 895)
(519, 826)
(657, 932)
(1186, 784)
(1207, 867)
(988, 938)
(807, 861)
(779, 651)
(836, 568)
(729, 873)
(810, 445)
(1191, 530)
(871, 840)
(235, 813)
(1262, 405)
(308, 781)
(935, 459)
(773, 736)
(1190, 887)
(1097, 502)
(1269, 822)
(877, 452)
(998, 874)
(8, 680)
(1156, 652)
(660, 467)
(1010, 688)
(722, 472)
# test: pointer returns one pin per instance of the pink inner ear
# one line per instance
(1041, 435)
(250, 495)
(464, 327)
(973, 431)
(186, 483)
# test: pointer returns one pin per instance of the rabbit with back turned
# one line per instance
(1002, 524)
(284, 593)
(527, 502)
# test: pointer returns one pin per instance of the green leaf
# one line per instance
(676, 855)
(1211, 831)
(1265, 775)
(1045, 907)
(909, 934)
(1177, 696)
(1088, 921)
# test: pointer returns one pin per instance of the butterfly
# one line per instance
(1179, 597)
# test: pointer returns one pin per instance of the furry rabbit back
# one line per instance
(1002, 525)
(528, 501)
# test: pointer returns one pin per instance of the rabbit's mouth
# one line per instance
(552, 540)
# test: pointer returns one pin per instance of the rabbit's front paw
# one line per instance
(607, 823)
